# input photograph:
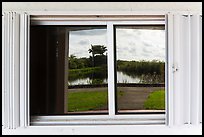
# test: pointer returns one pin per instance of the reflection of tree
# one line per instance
(94, 67)
(98, 59)
(97, 50)
(78, 63)
(72, 61)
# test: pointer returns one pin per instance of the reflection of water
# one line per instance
(84, 81)
(123, 78)
(79, 81)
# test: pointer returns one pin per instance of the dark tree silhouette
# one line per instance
(97, 50)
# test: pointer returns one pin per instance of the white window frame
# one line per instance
(112, 118)
(24, 76)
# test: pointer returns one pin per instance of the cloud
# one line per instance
(137, 32)
(84, 42)
(133, 51)
(132, 43)
(147, 50)
(147, 44)
(145, 54)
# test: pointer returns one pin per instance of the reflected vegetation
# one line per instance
(88, 78)
(147, 72)
(140, 56)
(144, 72)
(92, 70)
(87, 69)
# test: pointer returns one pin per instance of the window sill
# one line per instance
(148, 119)
(107, 130)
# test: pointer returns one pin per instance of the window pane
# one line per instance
(87, 73)
(140, 59)
(68, 70)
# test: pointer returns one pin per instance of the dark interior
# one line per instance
(47, 62)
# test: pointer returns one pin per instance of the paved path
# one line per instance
(129, 98)
(134, 97)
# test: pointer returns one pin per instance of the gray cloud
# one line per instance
(83, 42)
(146, 50)
(132, 43)
(133, 51)
(146, 44)
(145, 54)
(138, 32)
(122, 48)
(125, 33)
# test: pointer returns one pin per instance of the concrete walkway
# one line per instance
(128, 99)
(134, 97)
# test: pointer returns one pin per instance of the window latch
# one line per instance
(175, 68)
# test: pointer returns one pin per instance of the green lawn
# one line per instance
(156, 100)
(98, 100)
(87, 100)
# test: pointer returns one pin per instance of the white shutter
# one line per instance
(24, 70)
(200, 70)
(14, 69)
(3, 71)
(196, 76)
(10, 68)
(185, 86)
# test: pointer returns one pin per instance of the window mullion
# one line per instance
(111, 77)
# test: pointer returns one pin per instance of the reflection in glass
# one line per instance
(68, 72)
(87, 71)
(140, 59)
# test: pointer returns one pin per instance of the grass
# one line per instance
(156, 100)
(87, 100)
(98, 100)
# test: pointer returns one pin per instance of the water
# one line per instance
(84, 81)
(121, 78)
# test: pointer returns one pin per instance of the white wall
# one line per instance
(102, 6)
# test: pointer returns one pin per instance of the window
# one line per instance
(69, 69)
(53, 69)
(82, 72)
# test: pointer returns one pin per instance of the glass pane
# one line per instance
(87, 71)
(68, 70)
(140, 59)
